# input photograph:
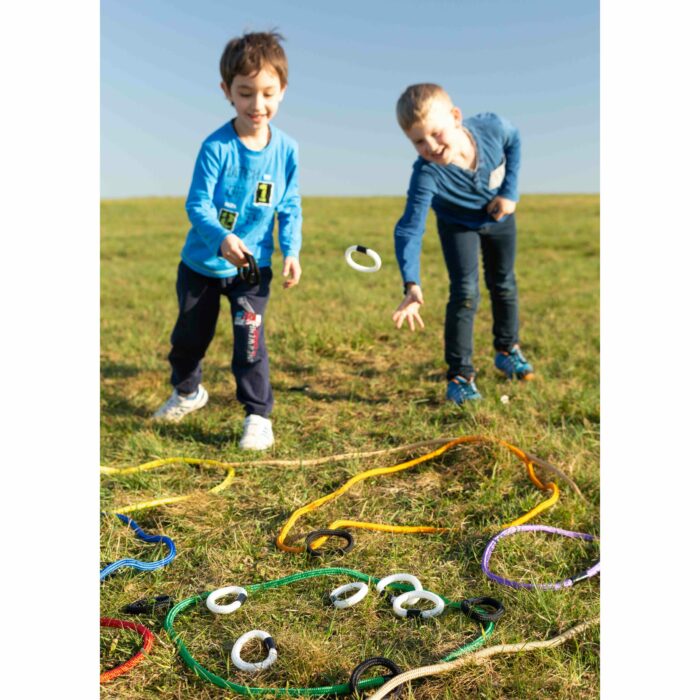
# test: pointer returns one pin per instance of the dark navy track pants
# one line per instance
(199, 301)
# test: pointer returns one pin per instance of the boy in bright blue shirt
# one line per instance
(468, 173)
(245, 173)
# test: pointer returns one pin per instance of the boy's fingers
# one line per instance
(420, 320)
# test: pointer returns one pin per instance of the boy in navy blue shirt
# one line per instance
(468, 173)
(245, 173)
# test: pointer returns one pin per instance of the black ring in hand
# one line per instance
(251, 272)
(490, 609)
(316, 534)
(375, 661)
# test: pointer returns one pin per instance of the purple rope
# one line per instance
(566, 583)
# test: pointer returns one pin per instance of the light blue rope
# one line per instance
(136, 563)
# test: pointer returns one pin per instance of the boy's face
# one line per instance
(437, 137)
(256, 99)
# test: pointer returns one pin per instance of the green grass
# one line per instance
(368, 387)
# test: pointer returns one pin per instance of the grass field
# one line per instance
(345, 380)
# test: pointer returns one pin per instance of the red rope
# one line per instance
(137, 657)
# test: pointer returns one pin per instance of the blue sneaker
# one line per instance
(460, 390)
(514, 365)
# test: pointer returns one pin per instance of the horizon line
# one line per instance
(343, 196)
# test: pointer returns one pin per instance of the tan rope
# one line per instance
(479, 657)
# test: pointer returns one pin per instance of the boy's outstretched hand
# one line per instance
(499, 207)
(291, 269)
(408, 309)
(234, 249)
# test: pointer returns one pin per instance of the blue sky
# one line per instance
(534, 62)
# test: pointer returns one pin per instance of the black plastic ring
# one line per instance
(343, 534)
(375, 661)
(491, 610)
(161, 603)
(250, 273)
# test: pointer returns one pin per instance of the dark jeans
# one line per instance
(199, 300)
(460, 246)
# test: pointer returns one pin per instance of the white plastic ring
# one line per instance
(220, 593)
(366, 251)
(405, 578)
(269, 643)
(362, 591)
(424, 595)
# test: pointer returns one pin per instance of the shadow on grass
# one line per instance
(328, 397)
(118, 370)
(192, 432)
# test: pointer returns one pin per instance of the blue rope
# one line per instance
(136, 563)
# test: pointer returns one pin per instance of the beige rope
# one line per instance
(479, 657)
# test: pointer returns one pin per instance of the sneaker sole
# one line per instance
(255, 449)
(472, 400)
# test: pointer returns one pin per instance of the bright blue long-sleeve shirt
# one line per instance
(457, 195)
(237, 190)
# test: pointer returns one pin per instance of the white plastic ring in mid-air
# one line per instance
(339, 602)
(366, 251)
(269, 643)
(405, 578)
(241, 597)
(414, 612)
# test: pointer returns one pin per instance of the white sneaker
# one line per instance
(257, 433)
(177, 406)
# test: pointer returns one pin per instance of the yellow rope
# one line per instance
(381, 471)
(446, 443)
(228, 466)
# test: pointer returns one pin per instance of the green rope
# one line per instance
(341, 689)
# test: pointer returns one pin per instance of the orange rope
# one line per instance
(381, 471)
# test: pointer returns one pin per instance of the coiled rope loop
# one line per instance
(566, 583)
(381, 661)
(138, 657)
(483, 609)
(325, 534)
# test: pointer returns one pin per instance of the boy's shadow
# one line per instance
(117, 370)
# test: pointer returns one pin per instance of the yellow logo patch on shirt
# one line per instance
(263, 193)
(227, 218)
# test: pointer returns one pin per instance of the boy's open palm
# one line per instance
(408, 309)
(233, 249)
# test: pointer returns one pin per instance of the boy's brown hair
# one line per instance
(248, 54)
(416, 100)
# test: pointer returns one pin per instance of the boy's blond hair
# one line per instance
(416, 101)
(248, 54)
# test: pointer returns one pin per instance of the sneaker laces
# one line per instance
(466, 387)
(518, 358)
(177, 405)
